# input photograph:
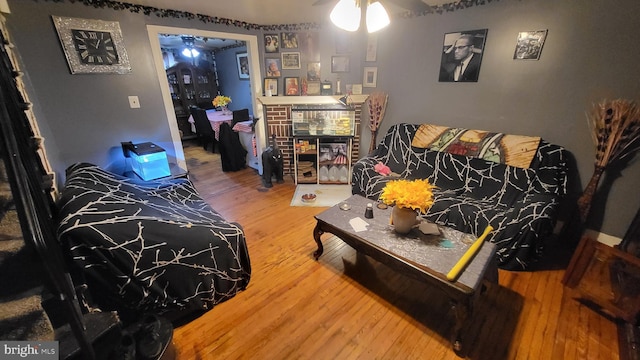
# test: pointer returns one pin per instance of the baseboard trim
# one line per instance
(593, 234)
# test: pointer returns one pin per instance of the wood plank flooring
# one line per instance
(348, 306)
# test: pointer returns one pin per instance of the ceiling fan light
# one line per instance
(377, 17)
(190, 53)
(346, 15)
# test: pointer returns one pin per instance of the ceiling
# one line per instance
(263, 12)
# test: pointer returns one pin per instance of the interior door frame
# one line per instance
(256, 87)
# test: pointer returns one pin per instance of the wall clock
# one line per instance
(92, 46)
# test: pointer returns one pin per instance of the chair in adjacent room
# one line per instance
(204, 131)
(240, 115)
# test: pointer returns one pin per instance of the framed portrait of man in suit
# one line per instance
(462, 55)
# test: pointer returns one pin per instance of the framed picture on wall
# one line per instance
(289, 40)
(290, 60)
(462, 55)
(270, 87)
(370, 76)
(313, 71)
(372, 47)
(313, 88)
(291, 86)
(271, 43)
(243, 65)
(339, 64)
(272, 67)
(529, 45)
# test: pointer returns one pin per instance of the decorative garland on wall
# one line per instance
(448, 7)
(178, 14)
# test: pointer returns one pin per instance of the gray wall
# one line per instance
(590, 54)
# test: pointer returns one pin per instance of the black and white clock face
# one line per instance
(95, 47)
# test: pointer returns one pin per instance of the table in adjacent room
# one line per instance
(215, 118)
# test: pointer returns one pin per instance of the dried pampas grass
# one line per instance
(615, 129)
(377, 103)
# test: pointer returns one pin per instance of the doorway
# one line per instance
(255, 85)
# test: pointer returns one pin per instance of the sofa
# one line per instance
(513, 183)
(149, 246)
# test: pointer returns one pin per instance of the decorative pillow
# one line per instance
(514, 150)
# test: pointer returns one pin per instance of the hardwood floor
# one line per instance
(347, 306)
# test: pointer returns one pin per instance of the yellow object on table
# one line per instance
(466, 258)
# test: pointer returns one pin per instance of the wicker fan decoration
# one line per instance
(615, 129)
(377, 103)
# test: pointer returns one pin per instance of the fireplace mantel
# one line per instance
(301, 100)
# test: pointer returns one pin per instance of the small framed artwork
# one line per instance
(272, 67)
(339, 64)
(290, 60)
(462, 56)
(529, 45)
(92, 46)
(291, 86)
(271, 43)
(313, 88)
(313, 71)
(372, 48)
(270, 87)
(308, 45)
(370, 76)
(356, 89)
(242, 61)
(289, 40)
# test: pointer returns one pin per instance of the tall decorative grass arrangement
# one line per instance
(615, 129)
(377, 103)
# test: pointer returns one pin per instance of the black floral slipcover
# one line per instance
(151, 246)
(520, 204)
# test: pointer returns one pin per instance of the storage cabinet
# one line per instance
(190, 85)
(322, 141)
(322, 160)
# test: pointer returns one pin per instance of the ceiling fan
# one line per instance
(416, 6)
(347, 13)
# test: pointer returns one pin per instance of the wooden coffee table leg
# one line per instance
(462, 312)
(317, 231)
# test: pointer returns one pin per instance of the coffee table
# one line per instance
(427, 258)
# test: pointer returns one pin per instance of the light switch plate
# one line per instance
(134, 103)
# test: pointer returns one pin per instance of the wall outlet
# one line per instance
(134, 103)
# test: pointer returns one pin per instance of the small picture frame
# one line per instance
(271, 87)
(339, 64)
(290, 60)
(529, 45)
(370, 76)
(291, 86)
(242, 60)
(289, 40)
(271, 43)
(272, 67)
(313, 88)
(372, 48)
(313, 71)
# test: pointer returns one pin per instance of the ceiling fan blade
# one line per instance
(322, 2)
(412, 5)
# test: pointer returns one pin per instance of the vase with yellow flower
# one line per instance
(408, 198)
(221, 103)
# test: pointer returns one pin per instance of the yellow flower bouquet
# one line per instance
(411, 194)
(221, 101)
